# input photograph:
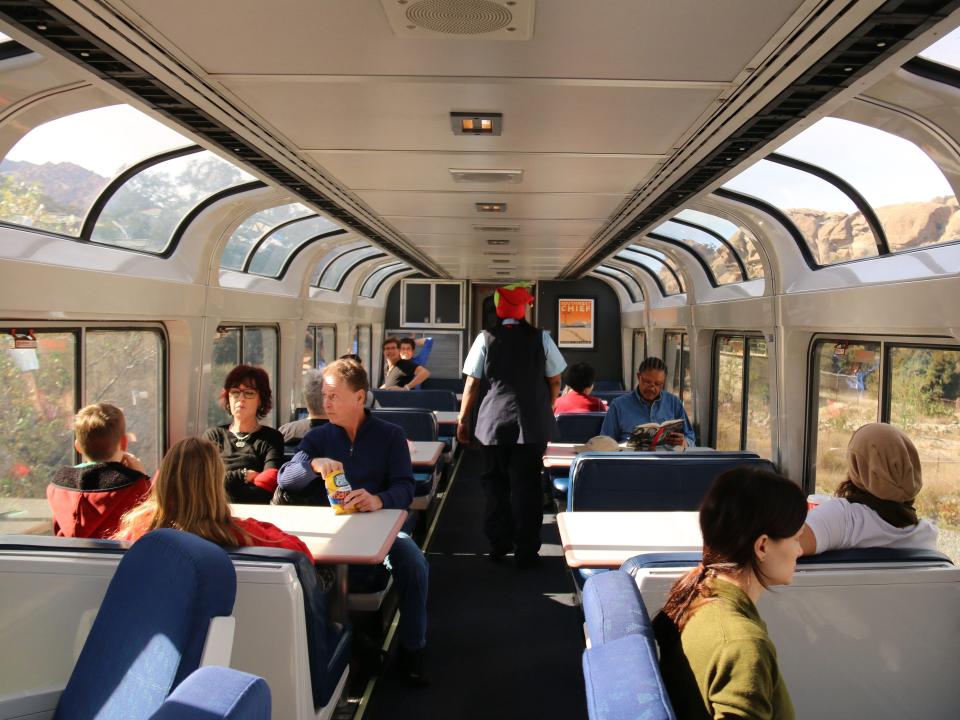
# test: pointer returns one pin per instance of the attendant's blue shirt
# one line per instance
(630, 410)
(377, 461)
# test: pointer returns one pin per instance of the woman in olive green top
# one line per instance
(716, 657)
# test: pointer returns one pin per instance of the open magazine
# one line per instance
(649, 436)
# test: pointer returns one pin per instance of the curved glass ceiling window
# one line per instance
(911, 197)
(945, 51)
(832, 226)
(668, 280)
(717, 256)
(742, 239)
(145, 211)
(272, 255)
(254, 228)
(332, 275)
(372, 283)
(629, 282)
(50, 179)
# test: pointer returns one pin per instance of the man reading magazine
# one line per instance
(649, 403)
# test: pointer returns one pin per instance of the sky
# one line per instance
(104, 140)
(946, 50)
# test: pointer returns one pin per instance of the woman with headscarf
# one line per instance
(873, 507)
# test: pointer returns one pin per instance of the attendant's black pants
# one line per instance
(511, 483)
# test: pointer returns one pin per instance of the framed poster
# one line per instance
(575, 323)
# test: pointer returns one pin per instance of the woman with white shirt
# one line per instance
(873, 507)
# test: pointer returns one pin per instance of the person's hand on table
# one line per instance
(362, 501)
(677, 438)
(324, 466)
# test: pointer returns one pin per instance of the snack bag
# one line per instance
(337, 489)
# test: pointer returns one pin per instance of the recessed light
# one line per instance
(486, 176)
(496, 228)
(491, 207)
(476, 123)
(497, 241)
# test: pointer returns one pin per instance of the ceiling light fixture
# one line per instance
(497, 241)
(476, 123)
(478, 175)
(491, 207)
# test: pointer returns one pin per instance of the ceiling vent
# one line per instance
(498, 241)
(496, 228)
(491, 19)
(499, 252)
(486, 176)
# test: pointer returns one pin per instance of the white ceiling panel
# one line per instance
(571, 38)
(404, 170)
(414, 114)
(464, 226)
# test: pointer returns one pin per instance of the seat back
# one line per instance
(454, 385)
(864, 633)
(649, 481)
(151, 628)
(419, 424)
(429, 399)
(608, 395)
(579, 427)
(608, 385)
(217, 693)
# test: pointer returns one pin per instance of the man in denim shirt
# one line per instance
(648, 403)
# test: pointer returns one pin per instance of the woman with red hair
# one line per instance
(252, 453)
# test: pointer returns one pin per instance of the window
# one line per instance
(676, 355)
(52, 176)
(429, 303)
(626, 280)
(639, 349)
(375, 279)
(446, 356)
(830, 222)
(945, 51)
(146, 210)
(237, 345)
(361, 347)
(742, 240)
(273, 254)
(319, 346)
(663, 273)
(847, 393)
(742, 395)
(41, 393)
(336, 271)
(909, 194)
(924, 401)
(718, 260)
(254, 228)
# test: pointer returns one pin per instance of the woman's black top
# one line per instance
(258, 451)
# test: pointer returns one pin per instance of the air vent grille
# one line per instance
(489, 19)
(486, 176)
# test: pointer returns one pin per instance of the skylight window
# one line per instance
(254, 228)
(666, 278)
(273, 254)
(945, 51)
(718, 259)
(52, 176)
(742, 240)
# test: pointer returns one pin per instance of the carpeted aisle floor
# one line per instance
(503, 642)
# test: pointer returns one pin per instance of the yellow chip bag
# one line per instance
(337, 489)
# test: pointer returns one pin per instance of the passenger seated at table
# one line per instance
(400, 374)
(375, 459)
(716, 657)
(293, 432)
(88, 500)
(577, 398)
(408, 348)
(873, 506)
(649, 402)
(252, 453)
(188, 495)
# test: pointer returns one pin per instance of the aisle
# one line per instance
(504, 643)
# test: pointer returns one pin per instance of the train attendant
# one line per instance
(716, 657)
(873, 507)
(252, 453)
(374, 457)
(522, 366)
(188, 495)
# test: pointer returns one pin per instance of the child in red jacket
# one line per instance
(89, 499)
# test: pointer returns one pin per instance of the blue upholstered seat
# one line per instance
(150, 631)
(217, 693)
(429, 399)
(620, 670)
(608, 395)
(419, 424)
(454, 385)
(608, 385)
(579, 427)
(656, 481)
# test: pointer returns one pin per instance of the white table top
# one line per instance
(425, 453)
(559, 455)
(607, 539)
(446, 417)
(359, 538)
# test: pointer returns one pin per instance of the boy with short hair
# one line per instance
(89, 499)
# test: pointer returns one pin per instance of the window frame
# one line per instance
(631, 291)
(746, 336)
(633, 347)
(314, 329)
(719, 238)
(223, 325)
(389, 269)
(405, 282)
(684, 345)
(378, 255)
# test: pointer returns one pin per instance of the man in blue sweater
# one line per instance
(375, 458)
(648, 403)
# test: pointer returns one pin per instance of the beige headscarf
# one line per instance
(884, 472)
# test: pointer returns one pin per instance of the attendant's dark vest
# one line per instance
(516, 408)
